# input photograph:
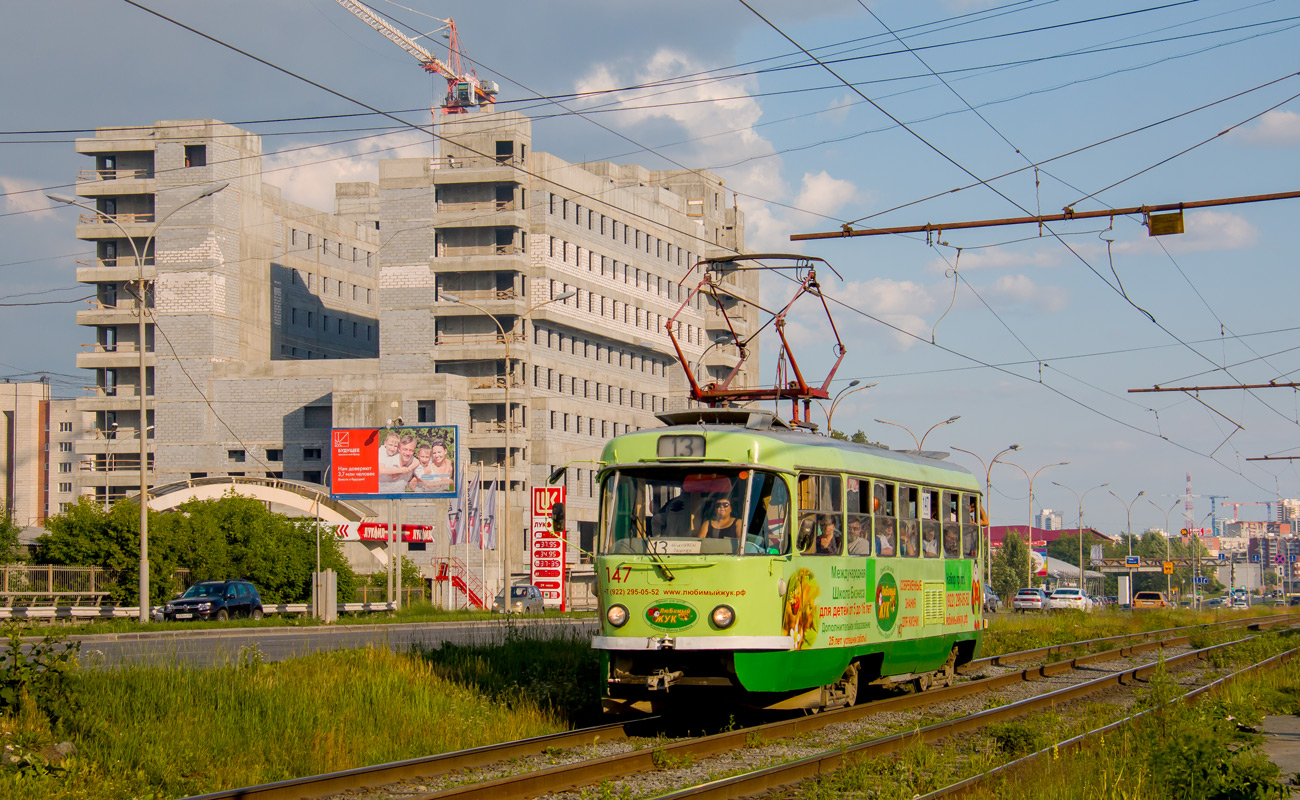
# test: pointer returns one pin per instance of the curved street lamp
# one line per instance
(921, 442)
(988, 529)
(508, 338)
(1169, 579)
(841, 395)
(1128, 533)
(1080, 498)
(1030, 478)
(142, 389)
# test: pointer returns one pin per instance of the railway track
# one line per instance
(415, 775)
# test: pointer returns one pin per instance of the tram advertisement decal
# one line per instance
(829, 603)
(671, 615)
(800, 616)
(887, 601)
(960, 603)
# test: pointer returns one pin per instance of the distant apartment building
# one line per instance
(38, 460)
(423, 296)
(1048, 520)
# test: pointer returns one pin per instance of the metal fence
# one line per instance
(21, 584)
(379, 594)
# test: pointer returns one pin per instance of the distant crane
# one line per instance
(1236, 506)
(1214, 517)
(464, 89)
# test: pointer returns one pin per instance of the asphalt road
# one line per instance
(206, 648)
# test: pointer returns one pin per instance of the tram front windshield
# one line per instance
(684, 511)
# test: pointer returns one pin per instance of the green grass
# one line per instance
(172, 731)
(1009, 633)
(417, 612)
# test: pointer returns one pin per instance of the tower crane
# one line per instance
(464, 89)
(1236, 506)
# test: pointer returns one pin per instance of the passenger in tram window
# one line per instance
(971, 538)
(859, 542)
(911, 546)
(718, 522)
(829, 541)
(930, 538)
(885, 536)
(952, 538)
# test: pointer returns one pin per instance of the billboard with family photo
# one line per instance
(414, 461)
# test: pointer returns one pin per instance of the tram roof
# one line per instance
(767, 425)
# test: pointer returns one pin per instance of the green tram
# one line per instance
(755, 563)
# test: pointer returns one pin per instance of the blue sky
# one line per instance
(1035, 340)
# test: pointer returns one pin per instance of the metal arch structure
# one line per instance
(309, 498)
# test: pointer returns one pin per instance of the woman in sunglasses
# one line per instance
(718, 522)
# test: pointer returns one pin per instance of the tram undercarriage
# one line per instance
(664, 681)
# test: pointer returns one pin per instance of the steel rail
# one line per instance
(585, 773)
(428, 767)
(1050, 650)
(801, 769)
(961, 787)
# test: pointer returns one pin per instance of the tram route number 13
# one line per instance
(618, 574)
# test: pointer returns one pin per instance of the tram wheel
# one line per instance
(922, 682)
(944, 677)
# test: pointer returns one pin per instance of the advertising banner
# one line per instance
(414, 461)
(1039, 559)
(378, 532)
(547, 549)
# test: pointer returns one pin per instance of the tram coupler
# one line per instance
(663, 678)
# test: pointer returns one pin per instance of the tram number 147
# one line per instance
(618, 574)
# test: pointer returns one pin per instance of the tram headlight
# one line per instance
(723, 617)
(617, 615)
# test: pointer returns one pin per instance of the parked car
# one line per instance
(216, 600)
(524, 599)
(1214, 602)
(1031, 600)
(992, 603)
(1150, 600)
(1069, 597)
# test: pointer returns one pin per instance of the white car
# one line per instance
(1068, 597)
(1031, 600)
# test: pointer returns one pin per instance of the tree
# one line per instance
(10, 551)
(234, 537)
(1010, 565)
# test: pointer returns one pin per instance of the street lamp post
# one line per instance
(1128, 532)
(508, 339)
(988, 529)
(108, 462)
(1169, 585)
(1030, 531)
(1080, 498)
(921, 442)
(843, 393)
(142, 388)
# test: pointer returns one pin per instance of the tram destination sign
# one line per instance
(689, 445)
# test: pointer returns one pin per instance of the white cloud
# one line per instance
(308, 176)
(998, 258)
(822, 194)
(838, 110)
(1206, 231)
(1020, 289)
(1274, 129)
(21, 195)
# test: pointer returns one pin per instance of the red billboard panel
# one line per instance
(415, 461)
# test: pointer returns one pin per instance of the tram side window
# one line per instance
(768, 527)
(857, 501)
(909, 535)
(970, 525)
(883, 507)
(821, 515)
(930, 523)
(951, 525)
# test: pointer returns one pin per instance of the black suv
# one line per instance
(216, 600)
